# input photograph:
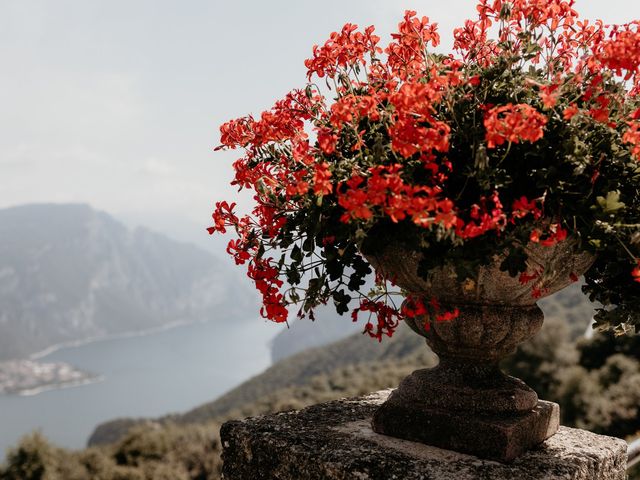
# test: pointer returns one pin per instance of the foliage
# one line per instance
(146, 453)
(541, 361)
(595, 352)
(596, 381)
(29, 460)
(529, 133)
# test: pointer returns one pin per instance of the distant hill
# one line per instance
(68, 272)
(303, 334)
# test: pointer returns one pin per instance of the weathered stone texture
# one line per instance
(334, 441)
(501, 438)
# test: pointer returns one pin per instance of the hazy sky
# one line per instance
(116, 103)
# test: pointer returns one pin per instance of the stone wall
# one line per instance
(334, 441)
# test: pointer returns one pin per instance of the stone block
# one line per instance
(334, 441)
(501, 438)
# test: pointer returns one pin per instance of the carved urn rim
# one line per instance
(557, 267)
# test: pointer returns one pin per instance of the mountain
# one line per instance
(303, 334)
(69, 272)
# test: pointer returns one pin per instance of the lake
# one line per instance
(148, 375)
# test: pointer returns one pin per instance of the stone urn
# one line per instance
(466, 403)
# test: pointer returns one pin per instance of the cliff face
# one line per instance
(68, 272)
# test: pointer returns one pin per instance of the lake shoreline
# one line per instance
(28, 377)
(111, 336)
(40, 357)
(38, 390)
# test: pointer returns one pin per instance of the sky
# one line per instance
(117, 103)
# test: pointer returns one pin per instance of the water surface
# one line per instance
(148, 375)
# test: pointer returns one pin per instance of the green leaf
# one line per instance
(293, 276)
(334, 269)
(296, 254)
(612, 203)
(341, 301)
(308, 245)
(515, 263)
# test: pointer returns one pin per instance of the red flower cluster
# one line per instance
(283, 122)
(343, 49)
(483, 219)
(321, 179)
(513, 123)
(635, 273)
(265, 276)
(386, 191)
(415, 130)
(471, 41)
(632, 137)
(555, 13)
(406, 54)
(523, 207)
(621, 52)
(389, 146)
(222, 216)
(553, 235)
(387, 318)
(350, 107)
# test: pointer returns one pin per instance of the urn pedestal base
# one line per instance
(468, 407)
(494, 437)
(466, 403)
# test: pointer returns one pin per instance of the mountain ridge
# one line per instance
(69, 272)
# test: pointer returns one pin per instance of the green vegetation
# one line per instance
(596, 381)
(146, 453)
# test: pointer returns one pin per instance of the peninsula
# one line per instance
(27, 377)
